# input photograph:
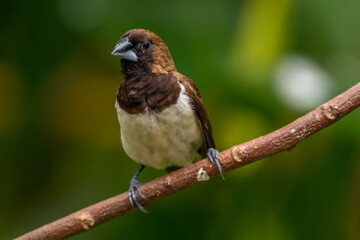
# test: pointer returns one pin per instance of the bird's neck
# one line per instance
(131, 69)
(148, 91)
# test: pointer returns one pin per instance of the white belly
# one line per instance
(160, 140)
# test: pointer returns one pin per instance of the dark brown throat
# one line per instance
(147, 90)
(130, 68)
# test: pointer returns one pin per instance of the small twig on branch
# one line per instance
(282, 139)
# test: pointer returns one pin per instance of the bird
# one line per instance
(163, 119)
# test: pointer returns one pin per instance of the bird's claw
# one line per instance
(135, 185)
(213, 156)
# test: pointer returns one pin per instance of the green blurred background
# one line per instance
(259, 65)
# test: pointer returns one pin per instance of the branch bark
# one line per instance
(280, 140)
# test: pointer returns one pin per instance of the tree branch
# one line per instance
(282, 139)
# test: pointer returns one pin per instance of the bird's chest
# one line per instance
(161, 139)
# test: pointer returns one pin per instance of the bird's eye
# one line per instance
(146, 45)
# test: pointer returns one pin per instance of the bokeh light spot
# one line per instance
(301, 84)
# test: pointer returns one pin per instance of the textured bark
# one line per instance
(282, 139)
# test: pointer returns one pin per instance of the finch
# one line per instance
(163, 120)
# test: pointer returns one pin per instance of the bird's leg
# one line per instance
(213, 156)
(135, 185)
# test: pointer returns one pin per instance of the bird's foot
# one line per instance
(135, 186)
(213, 156)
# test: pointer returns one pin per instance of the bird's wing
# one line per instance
(201, 112)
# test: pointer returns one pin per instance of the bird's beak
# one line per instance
(124, 50)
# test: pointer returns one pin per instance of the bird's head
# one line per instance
(143, 51)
